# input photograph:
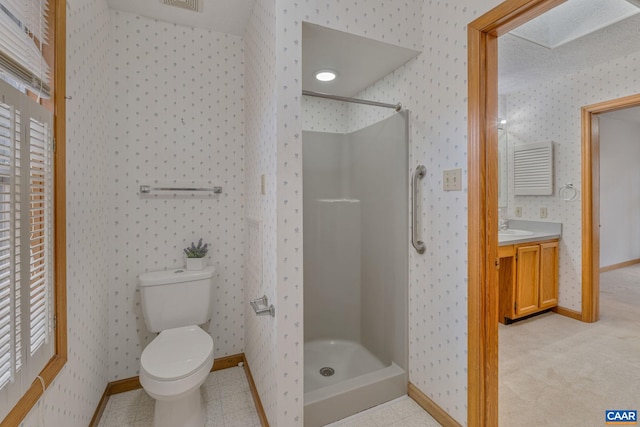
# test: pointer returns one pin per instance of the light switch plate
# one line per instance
(543, 212)
(452, 180)
(518, 212)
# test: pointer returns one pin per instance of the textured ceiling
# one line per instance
(574, 19)
(523, 63)
(225, 16)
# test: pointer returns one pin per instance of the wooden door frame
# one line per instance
(483, 201)
(591, 201)
(482, 320)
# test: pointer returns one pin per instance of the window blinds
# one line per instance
(10, 316)
(26, 242)
(23, 31)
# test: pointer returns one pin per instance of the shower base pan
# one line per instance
(343, 378)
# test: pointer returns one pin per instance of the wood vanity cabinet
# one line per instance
(528, 279)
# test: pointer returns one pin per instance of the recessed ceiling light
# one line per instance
(325, 75)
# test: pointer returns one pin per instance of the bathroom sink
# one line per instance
(514, 232)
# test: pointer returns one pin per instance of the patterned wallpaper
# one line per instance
(289, 286)
(294, 113)
(324, 115)
(551, 111)
(73, 396)
(433, 88)
(391, 89)
(206, 110)
(260, 159)
(178, 112)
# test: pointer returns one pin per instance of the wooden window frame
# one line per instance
(55, 52)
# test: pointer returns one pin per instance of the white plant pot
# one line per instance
(196, 263)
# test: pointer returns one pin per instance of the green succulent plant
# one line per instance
(199, 251)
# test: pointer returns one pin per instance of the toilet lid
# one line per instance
(176, 353)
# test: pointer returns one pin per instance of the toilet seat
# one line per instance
(177, 353)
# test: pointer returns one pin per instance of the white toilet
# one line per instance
(176, 363)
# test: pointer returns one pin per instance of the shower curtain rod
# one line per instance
(396, 107)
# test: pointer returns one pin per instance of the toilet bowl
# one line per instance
(176, 363)
(172, 369)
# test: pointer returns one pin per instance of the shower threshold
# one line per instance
(347, 359)
(359, 381)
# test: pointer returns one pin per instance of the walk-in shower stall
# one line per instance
(355, 268)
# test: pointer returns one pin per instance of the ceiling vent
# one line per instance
(184, 4)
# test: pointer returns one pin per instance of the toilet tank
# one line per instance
(175, 298)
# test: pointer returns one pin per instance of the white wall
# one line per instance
(551, 111)
(178, 112)
(73, 396)
(619, 191)
(324, 115)
(260, 159)
(434, 88)
(112, 235)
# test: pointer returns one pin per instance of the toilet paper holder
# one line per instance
(261, 307)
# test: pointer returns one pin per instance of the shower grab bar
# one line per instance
(260, 311)
(146, 189)
(418, 244)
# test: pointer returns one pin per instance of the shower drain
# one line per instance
(327, 371)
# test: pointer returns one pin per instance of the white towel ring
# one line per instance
(568, 192)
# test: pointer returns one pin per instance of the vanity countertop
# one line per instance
(538, 230)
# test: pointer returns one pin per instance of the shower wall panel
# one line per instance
(332, 270)
(381, 183)
(332, 240)
(356, 237)
(325, 162)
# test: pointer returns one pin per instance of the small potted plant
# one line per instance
(195, 255)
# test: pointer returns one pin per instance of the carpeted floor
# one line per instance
(555, 371)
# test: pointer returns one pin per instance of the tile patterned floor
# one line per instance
(225, 394)
(229, 404)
